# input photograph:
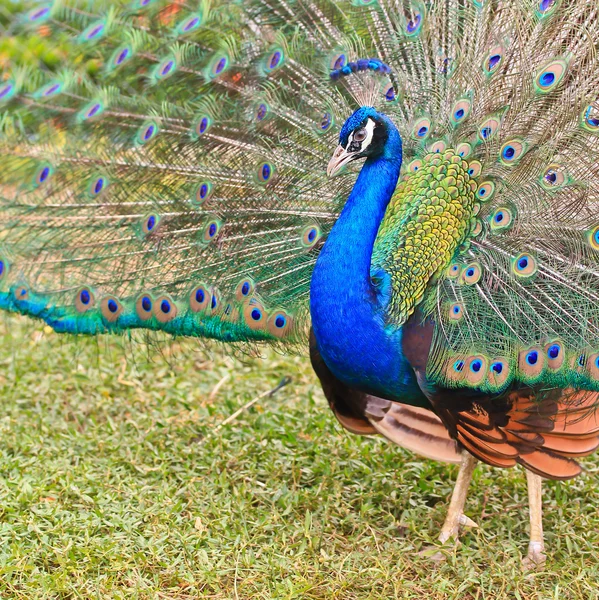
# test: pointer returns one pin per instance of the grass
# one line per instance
(116, 483)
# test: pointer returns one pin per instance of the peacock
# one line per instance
(172, 172)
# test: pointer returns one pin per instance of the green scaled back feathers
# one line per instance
(181, 185)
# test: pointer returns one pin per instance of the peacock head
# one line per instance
(366, 134)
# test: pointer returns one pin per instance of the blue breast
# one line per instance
(348, 310)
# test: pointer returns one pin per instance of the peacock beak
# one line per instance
(340, 157)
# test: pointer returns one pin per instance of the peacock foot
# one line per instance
(449, 533)
(452, 529)
(536, 558)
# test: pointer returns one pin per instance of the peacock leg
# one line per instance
(536, 545)
(455, 512)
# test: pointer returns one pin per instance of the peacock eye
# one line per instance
(360, 135)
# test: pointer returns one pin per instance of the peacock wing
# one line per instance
(545, 431)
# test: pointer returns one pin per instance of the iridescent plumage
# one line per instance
(170, 174)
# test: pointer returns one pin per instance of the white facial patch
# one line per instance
(360, 146)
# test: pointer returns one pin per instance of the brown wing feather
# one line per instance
(541, 434)
(418, 430)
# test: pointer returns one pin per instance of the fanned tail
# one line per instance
(171, 173)
(177, 183)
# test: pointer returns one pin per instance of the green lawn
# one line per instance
(115, 484)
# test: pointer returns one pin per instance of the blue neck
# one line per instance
(348, 310)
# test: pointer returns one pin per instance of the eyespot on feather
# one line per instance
(414, 22)
(475, 369)
(84, 300)
(474, 168)
(524, 265)
(211, 230)
(230, 313)
(201, 126)
(471, 274)
(43, 173)
(218, 66)
(485, 191)
(553, 177)
(265, 172)
(4, 268)
(593, 366)
(7, 90)
(93, 32)
(390, 94)
(547, 7)
(593, 238)
(215, 300)
(511, 152)
(274, 60)
(97, 185)
(244, 290)
(578, 362)
(310, 236)
(421, 129)
(501, 219)
(590, 118)
(464, 150)
(555, 353)
(189, 24)
(550, 75)
(200, 298)
(453, 271)
(164, 69)
(165, 309)
(122, 55)
(148, 131)
(325, 121)
(21, 293)
(279, 323)
(531, 362)
(111, 308)
(476, 227)
(90, 111)
(438, 147)
(39, 14)
(202, 193)
(144, 306)
(254, 315)
(338, 60)
(261, 112)
(492, 60)
(455, 369)
(139, 4)
(150, 223)
(488, 128)
(460, 111)
(415, 165)
(51, 89)
(455, 312)
(499, 371)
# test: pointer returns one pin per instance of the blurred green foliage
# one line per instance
(32, 47)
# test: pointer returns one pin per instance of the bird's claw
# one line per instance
(452, 530)
(451, 533)
(465, 521)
